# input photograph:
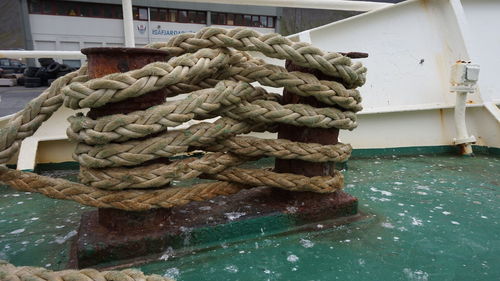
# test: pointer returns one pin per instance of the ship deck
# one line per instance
(433, 215)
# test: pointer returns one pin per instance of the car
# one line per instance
(12, 65)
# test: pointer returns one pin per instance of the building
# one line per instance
(68, 25)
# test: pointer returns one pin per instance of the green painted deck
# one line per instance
(427, 217)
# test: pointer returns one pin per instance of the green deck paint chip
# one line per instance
(428, 217)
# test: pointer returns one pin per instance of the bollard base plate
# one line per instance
(199, 224)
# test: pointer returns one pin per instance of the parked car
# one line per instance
(12, 65)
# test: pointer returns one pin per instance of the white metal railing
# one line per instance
(42, 54)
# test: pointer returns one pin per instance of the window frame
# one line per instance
(52, 4)
(137, 16)
(179, 13)
(241, 18)
(170, 13)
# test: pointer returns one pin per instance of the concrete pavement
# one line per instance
(13, 99)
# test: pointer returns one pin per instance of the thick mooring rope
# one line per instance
(9, 272)
(213, 67)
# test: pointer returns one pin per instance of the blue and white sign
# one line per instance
(171, 29)
(141, 28)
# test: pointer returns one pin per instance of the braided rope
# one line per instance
(25, 122)
(271, 45)
(217, 166)
(199, 104)
(186, 69)
(9, 272)
(168, 144)
(212, 66)
(129, 200)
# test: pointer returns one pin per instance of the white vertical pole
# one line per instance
(462, 132)
(128, 24)
(148, 30)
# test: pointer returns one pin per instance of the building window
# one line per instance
(263, 21)
(140, 13)
(270, 22)
(154, 13)
(255, 21)
(191, 16)
(66, 9)
(242, 20)
(162, 15)
(97, 10)
(247, 20)
(143, 14)
(47, 7)
(35, 6)
(183, 17)
(230, 19)
(75, 9)
(85, 11)
(172, 15)
(238, 20)
(158, 14)
(219, 18)
(201, 17)
(118, 12)
(108, 13)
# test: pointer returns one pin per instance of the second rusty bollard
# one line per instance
(309, 135)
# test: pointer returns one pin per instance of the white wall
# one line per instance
(483, 19)
(74, 33)
(412, 46)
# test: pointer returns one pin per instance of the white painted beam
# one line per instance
(493, 110)
(128, 23)
(361, 6)
(41, 54)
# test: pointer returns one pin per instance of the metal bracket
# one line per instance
(464, 76)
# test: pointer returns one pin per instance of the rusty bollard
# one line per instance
(131, 229)
(337, 204)
(103, 61)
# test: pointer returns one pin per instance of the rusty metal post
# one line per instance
(103, 61)
(304, 134)
(110, 227)
(310, 135)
